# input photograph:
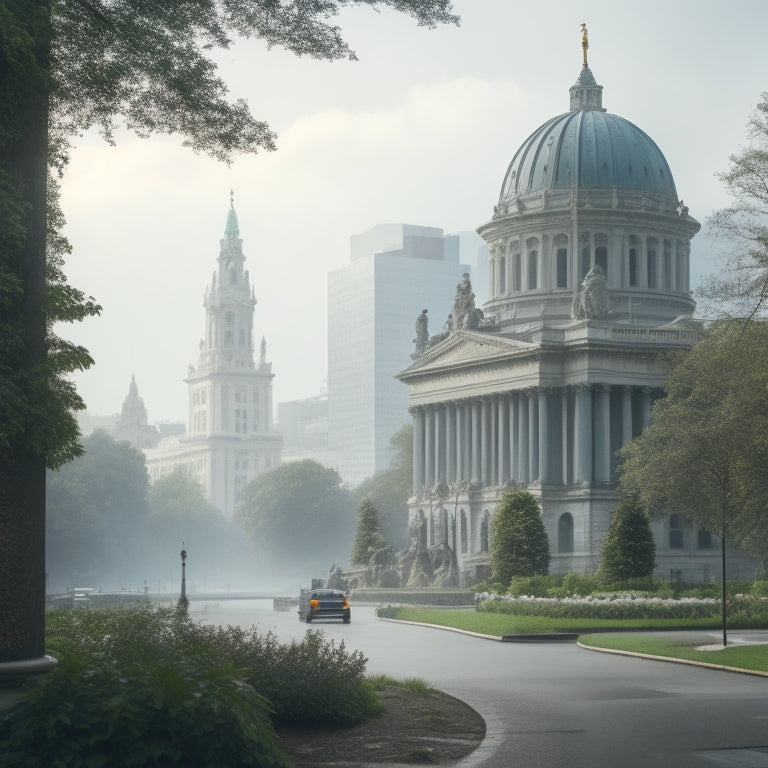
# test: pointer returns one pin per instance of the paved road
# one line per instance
(556, 705)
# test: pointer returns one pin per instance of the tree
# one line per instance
(740, 288)
(70, 65)
(368, 536)
(298, 518)
(179, 514)
(389, 489)
(519, 544)
(97, 516)
(705, 454)
(628, 551)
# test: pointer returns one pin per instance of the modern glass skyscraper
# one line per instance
(395, 271)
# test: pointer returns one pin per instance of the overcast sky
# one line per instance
(420, 130)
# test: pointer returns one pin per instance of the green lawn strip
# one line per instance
(754, 657)
(506, 624)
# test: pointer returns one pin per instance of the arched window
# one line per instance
(565, 533)
(561, 261)
(601, 252)
(502, 275)
(516, 272)
(229, 327)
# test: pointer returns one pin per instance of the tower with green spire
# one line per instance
(229, 437)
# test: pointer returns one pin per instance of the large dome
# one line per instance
(591, 149)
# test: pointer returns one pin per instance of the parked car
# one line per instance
(324, 604)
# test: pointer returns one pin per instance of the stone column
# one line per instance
(646, 403)
(418, 448)
(523, 437)
(626, 415)
(544, 450)
(461, 443)
(475, 440)
(565, 449)
(512, 436)
(429, 450)
(603, 434)
(502, 441)
(484, 439)
(438, 444)
(533, 436)
(450, 442)
(582, 434)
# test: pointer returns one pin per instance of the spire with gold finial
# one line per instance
(586, 93)
(232, 229)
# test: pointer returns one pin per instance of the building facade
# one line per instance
(589, 287)
(229, 438)
(370, 322)
(132, 426)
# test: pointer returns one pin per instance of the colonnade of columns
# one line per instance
(561, 435)
(663, 261)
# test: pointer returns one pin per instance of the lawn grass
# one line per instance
(752, 657)
(604, 633)
(499, 624)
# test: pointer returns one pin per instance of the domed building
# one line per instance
(589, 248)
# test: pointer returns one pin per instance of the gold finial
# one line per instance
(232, 196)
(584, 43)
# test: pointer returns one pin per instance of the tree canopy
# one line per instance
(740, 289)
(390, 488)
(519, 544)
(705, 454)
(97, 517)
(299, 520)
(69, 65)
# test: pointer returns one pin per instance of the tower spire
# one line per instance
(586, 93)
(232, 229)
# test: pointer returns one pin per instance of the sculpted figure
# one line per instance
(465, 315)
(593, 299)
(421, 341)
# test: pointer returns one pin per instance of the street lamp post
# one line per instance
(183, 602)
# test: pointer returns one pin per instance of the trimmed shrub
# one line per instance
(629, 551)
(519, 545)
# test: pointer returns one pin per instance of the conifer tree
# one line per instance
(629, 551)
(368, 536)
(519, 544)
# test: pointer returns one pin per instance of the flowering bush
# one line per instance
(600, 606)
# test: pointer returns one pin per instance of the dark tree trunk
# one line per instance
(22, 468)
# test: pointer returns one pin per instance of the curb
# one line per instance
(675, 660)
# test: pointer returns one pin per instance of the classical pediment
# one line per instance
(466, 347)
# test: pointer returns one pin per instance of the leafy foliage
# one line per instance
(149, 687)
(97, 513)
(628, 551)
(705, 452)
(519, 544)
(741, 286)
(368, 536)
(298, 518)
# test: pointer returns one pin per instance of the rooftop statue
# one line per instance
(465, 314)
(421, 341)
(592, 300)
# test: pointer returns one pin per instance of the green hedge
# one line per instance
(149, 687)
